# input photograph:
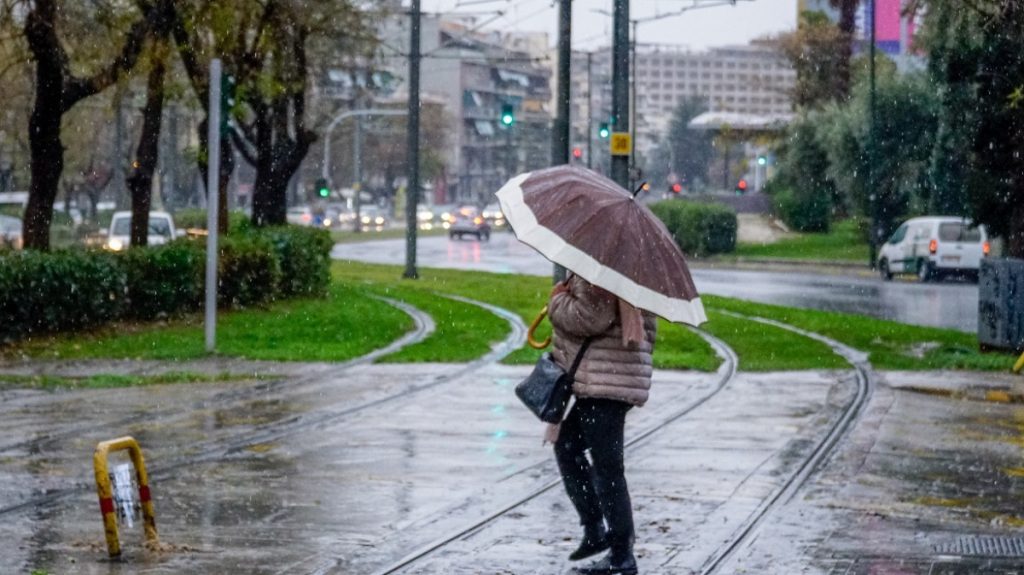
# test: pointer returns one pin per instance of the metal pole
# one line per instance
(357, 173)
(632, 110)
(413, 155)
(620, 86)
(509, 160)
(212, 187)
(872, 192)
(590, 111)
(560, 139)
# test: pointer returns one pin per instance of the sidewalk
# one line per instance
(321, 473)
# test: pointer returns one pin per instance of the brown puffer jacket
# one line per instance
(610, 369)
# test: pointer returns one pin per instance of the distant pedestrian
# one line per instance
(614, 375)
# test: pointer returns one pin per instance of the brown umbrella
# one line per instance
(593, 227)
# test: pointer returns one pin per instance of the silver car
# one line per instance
(10, 233)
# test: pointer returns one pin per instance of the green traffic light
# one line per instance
(603, 131)
(324, 192)
(761, 160)
(507, 119)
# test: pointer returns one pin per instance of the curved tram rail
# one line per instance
(784, 493)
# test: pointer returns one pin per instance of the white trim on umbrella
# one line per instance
(553, 247)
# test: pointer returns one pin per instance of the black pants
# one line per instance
(599, 490)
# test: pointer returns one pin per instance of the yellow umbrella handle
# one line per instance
(533, 327)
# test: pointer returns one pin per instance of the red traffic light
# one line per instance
(577, 153)
(677, 187)
(742, 185)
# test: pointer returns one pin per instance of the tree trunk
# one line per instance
(847, 25)
(140, 182)
(227, 167)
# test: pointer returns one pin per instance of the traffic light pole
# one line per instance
(590, 111)
(357, 173)
(412, 191)
(620, 85)
(872, 193)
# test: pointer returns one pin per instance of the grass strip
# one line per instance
(843, 243)
(343, 325)
(109, 380)
(763, 347)
(370, 235)
(891, 345)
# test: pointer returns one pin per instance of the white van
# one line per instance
(161, 230)
(930, 246)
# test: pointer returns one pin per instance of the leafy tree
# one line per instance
(265, 45)
(819, 52)
(977, 56)
(806, 195)
(59, 86)
(685, 152)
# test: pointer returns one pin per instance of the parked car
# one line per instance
(161, 230)
(10, 233)
(931, 246)
(469, 222)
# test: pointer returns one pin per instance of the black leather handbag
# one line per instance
(547, 390)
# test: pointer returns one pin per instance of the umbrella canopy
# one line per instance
(593, 227)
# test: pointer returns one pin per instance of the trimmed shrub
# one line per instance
(195, 218)
(804, 212)
(63, 290)
(304, 254)
(248, 273)
(165, 280)
(700, 229)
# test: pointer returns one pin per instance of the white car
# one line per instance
(930, 246)
(161, 230)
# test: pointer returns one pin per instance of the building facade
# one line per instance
(477, 74)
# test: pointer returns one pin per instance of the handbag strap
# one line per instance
(579, 357)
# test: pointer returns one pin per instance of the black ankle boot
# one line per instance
(595, 540)
(621, 563)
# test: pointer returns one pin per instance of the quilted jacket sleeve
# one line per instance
(584, 310)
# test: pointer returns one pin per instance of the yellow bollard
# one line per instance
(1019, 365)
(106, 493)
(533, 327)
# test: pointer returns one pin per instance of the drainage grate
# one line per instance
(984, 547)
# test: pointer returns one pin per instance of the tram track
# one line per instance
(224, 448)
(747, 530)
(423, 327)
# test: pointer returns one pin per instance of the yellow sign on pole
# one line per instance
(621, 144)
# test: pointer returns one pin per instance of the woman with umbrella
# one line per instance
(624, 268)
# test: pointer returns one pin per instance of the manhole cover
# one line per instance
(984, 547)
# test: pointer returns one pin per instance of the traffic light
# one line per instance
(762, 161)
(603, 131)
(227, 103)
(741, 186)
(323, 188)
(677, 187)
(577, 153)
(508, 115)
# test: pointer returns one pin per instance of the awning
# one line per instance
(514, 77)
(484, 128)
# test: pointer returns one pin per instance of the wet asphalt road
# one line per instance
(946, 304)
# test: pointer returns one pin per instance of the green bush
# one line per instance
(248, 273)
(63, 290)
(804, 212)
(700, 229)
(165, 280)
(195, 218)
(304, 254)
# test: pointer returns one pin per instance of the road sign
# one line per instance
(621, 144)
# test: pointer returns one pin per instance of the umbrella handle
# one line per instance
(533, 326)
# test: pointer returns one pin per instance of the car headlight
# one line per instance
(115, 244)
(379, 221)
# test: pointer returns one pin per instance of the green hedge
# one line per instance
(804, 212)
(195, 218)
(76, 289)
(700, 229)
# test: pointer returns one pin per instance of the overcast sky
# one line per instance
(697, 29)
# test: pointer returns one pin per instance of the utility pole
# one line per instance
(632, 108)
(620, 86)
(357, 173)
(590, 111)
(560, 135)
(412, 190)
(872, 192)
